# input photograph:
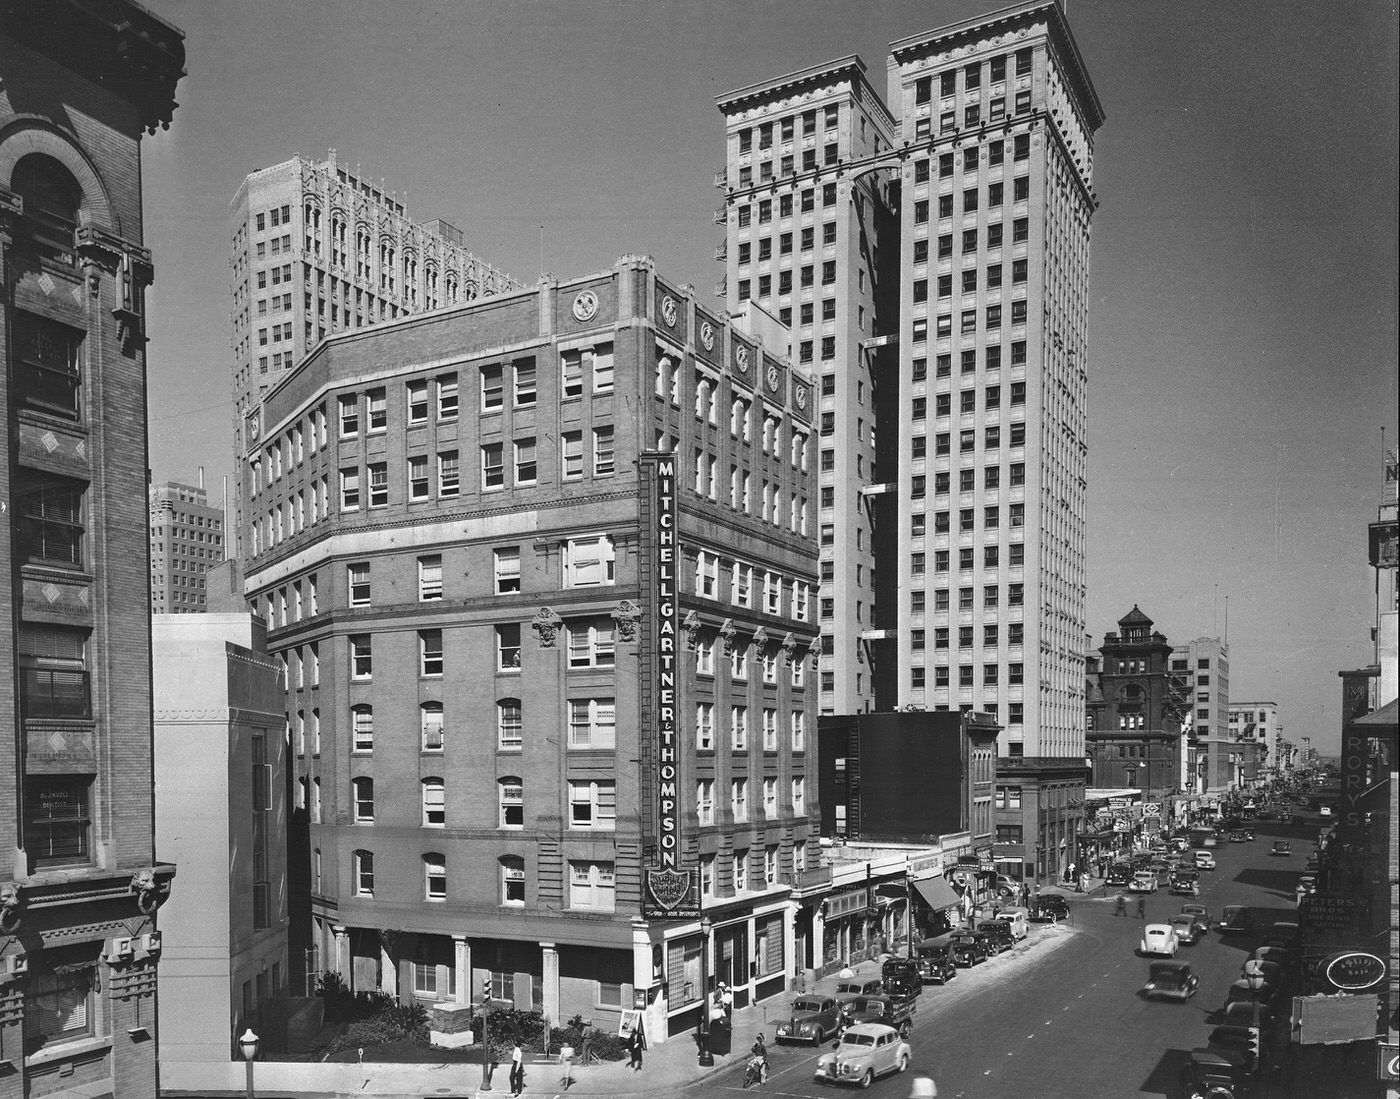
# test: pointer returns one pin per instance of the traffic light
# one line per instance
(1256, 1049)
(486, 990)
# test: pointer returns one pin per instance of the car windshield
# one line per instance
(806, 1005)
(858, 1039)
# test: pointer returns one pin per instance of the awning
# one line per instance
(937, 893)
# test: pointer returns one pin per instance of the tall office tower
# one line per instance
(513, 700)
(1205, 665)
(810, 238)
(80, 883)
(315, 249)
(187, 539)
(998, 116)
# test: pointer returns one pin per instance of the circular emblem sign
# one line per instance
(801, 396)
(1355, 970)
(707, 336)
(668, 310)
(586, 306)
(741, 358)
(773, 377)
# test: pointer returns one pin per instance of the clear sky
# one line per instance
(1243, 331)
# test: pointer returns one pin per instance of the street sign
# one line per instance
(1327, 912)
(1152, 809)
(1387, 1062)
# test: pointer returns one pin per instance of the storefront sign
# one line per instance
(1388, 1062)
(672, 891)
(1324, 912)
(845, 904)
(1355, 970)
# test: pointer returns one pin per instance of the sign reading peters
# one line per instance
(670, 891)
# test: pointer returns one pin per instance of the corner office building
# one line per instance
(80, 884)
(454, 521)
(315, 249)
(187, 540)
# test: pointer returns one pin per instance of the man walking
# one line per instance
(517, 1069)
(635, 1046)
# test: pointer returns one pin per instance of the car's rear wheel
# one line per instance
(903, 1063)
(868, 1078)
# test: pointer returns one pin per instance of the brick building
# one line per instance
(187, 540)
(459, 527)
(315, 248)
(79, 85)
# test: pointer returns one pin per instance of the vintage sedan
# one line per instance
(1049, 907)
(1144, 881)
(1188, 931)
(1118, 875)
(894, 1011)
(968, 949)
(935, 961)
(1281, 847)
(810, 1019)
(1171, 981)
(866, 1050)
(1160, 939)
(1236, 919)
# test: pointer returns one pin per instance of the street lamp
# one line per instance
(485, 1033)
(248, 1046)
(706, 1057)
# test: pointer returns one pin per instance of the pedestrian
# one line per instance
(726, 998)
(566, 1066)
(1142, 908)
(589, 1033)
(1121, 908)
(635, 1045)
(517, 1070)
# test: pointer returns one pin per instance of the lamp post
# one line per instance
(485, 1033)
(706, 1057)
(248, 1046)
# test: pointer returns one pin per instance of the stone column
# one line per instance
(551, 983)
(342, 953)
(791, 961)
(462, 963)
(388, 972)
(818, 939)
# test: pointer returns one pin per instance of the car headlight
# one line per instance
(806, 1028)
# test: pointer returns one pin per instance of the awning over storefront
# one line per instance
(937, 893)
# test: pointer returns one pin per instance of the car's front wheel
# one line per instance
(868, 1078)
(818, 1036)
(903, 1063)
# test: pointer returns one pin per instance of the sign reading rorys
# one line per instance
(1354, 971)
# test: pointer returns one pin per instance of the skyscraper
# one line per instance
(187, 539)
(929, 254)
(314, 248)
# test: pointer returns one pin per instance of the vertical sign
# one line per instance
(671, 891)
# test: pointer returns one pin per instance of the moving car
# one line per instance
(1050, 907)
(810, 1019)
(935, 961)
(1160, 939)
(1186, 928)
(1204, 860)
(1171, 981)
(1184, 882)
(1199, 916)
(1308, 883)
(1144, 881)
(1214, 1074)
(1236, 920)
(897, 1012)
(1281, 847)
(1239, 837)
(901, 977)
(1118, 875)
(968, 949)
(866, 1050)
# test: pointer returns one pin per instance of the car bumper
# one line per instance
(849, 1074)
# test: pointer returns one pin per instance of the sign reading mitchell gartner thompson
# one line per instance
(672, 892)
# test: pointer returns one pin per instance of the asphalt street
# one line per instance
(1061, 1016)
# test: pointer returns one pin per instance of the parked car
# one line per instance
(850, 988)
(1050, 907)
(1018, 919)
(1235, 1039)
(968, 949)
(1204, 860)
(1184, 882)
(1240, 992)
(1187, 930)
(1281, 847)
(935, 961)
(1284, 933)
(901, 977)
(897, 1012)
(866, 1050)
(1171, 980)
(810, 1019)
(1246, 1014)
(997, 934)
(1275, 954)
(1144, 881)
(1160, 939)
(1307, 883)
(1236, 920)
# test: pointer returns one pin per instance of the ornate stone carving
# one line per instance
(11, 907)
(625, 617)
(546, 625)
(789, 648)
(727, 634)
(814, 650)
(690, 626)
(760, 640)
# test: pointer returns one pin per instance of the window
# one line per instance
(593, 804)
(361, 656)
(434, 889)
(590, 643)
(362, 873)
(592, 886)
(1015, 674)
(770, 798)
(493, 473)
(417, 481)
(509, 724)
(430, 652)
(349, 416)
(349, 490)
(447, 397)
(449, 473)
(50, 518)
(434, 803)
(377, 410)
(603, 452)
(507, 647)
(357, 579)
(507, 569)
(362, 795)
(57, 823)
(511, 801)
(589, 562)
(362, 728)
(417, 402)
(524, 370)
(431, 719)
(1015, 595)
(592, 723)
(493, 390)
(571, 443)
(705, 801)
(770, 730)
(512, 885)
(739, 799)
(704, 726)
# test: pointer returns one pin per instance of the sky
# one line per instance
(1243, 322)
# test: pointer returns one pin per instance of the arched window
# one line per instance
(512, 869)
(434, 803)
(512, 802)
(509, 723)
(362, 791)
(51, 200)
(362, 728)
(432, 721)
